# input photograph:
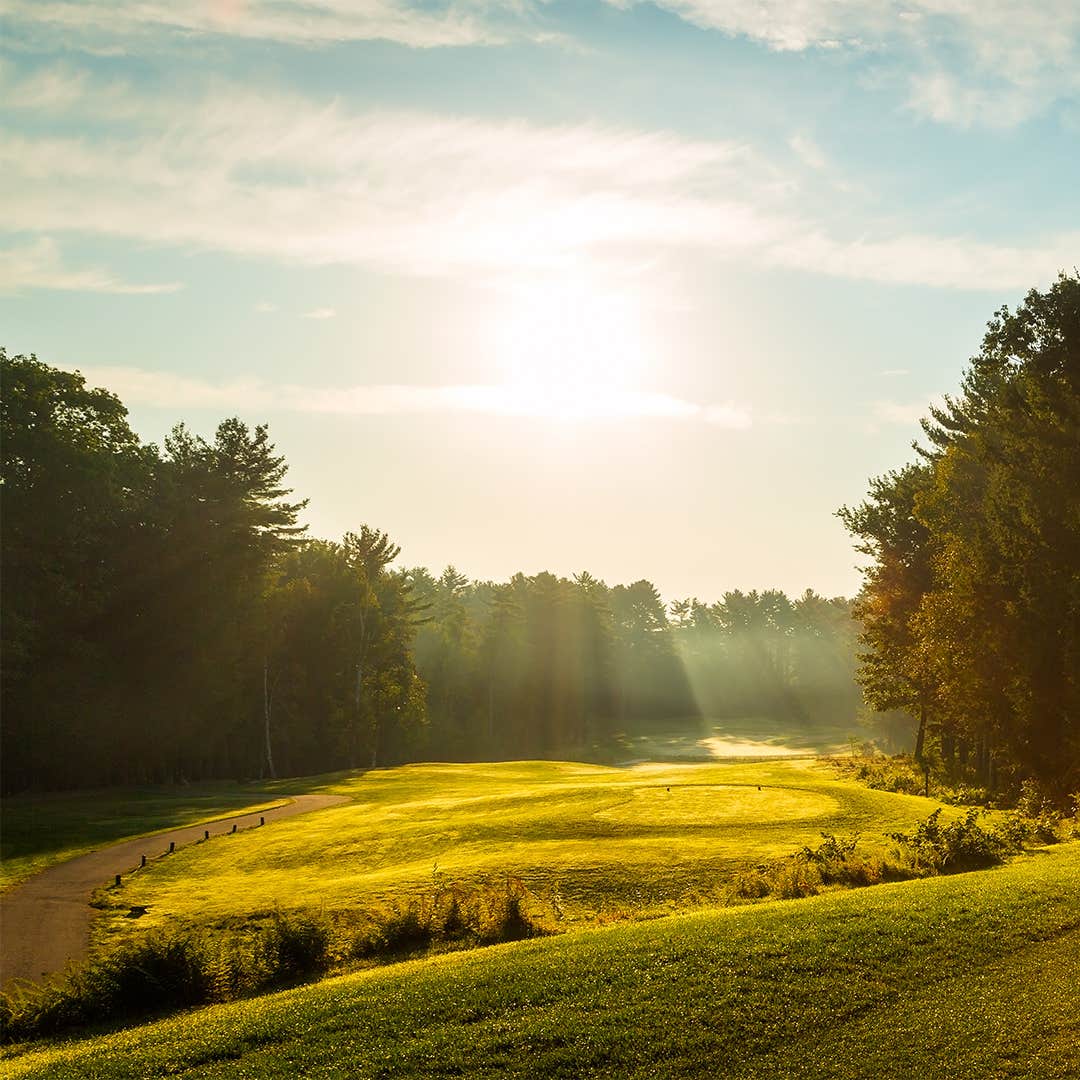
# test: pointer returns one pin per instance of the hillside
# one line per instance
(964, 976)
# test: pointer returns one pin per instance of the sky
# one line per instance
(648, 289)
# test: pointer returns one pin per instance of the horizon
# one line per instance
(645, 289)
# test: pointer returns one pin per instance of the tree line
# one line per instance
(166, 617)
(971, 601)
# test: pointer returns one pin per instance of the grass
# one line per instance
(969, 975)
(40, 830)
(601, 842)
(746, 737)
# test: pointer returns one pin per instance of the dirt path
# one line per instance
(45, 922)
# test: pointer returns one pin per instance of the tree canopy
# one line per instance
(971, 603)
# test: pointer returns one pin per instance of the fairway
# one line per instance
(600, 841)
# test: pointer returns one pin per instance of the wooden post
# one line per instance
(172, 846)
(262, 821)
(206, 834)
(143, 863)
(118, 881)
(234, 827)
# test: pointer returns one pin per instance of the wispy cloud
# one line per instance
(808, 151)
(40, 265)
(989, 62)
(320, 313)
(894, 373)
(104, 25)
(281, 176)
(138, 387)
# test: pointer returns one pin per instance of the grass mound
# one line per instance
(969, 974)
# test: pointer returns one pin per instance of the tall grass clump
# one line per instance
(450, 916)
(165, 971)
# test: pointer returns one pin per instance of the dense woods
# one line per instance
(167, 618)
(971, 604)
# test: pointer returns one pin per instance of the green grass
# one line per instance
(650, 839)
(40, 830)
(966, 976)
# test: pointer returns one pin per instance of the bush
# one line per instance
(961, 845)
(295, 947)
(898, 774)
(166, 971)
(502, 914)
(838, 863)
(155, 973)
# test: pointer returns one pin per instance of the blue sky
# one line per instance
(647, 289)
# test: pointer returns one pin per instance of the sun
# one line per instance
(572, 350)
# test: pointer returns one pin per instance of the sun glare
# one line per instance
(573, 351)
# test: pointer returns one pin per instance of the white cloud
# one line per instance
(108, 25)
(894, 373)
(320, 313)
(808, 151)
(138, 387)
(280, 176)
(991, 62)
(264, 307)
(39, 265)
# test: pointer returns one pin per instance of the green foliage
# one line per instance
(295, 946)
(961, 844)
(970, 608)
(165, 970)
(898, 773)
(167, 600)
(450, 915)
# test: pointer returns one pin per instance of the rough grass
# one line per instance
(590, 840)
(972, 975)
(40, 830)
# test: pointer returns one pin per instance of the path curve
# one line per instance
(45, 922)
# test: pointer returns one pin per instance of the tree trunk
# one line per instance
(920, 738)
(266, 718)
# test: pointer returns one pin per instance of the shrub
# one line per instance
(503, 916)
(294, 947)
(961, 845)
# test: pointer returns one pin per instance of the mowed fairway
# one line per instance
(601, 840)
(967, 976)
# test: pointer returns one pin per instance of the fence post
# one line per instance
(206, 834)
(117, 881)
(143, 863)
(172, 846)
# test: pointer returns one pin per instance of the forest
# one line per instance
(167, 618)
(971, 602)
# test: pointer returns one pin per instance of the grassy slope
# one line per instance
(606, 837)
(967, 976)
(40, 830)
